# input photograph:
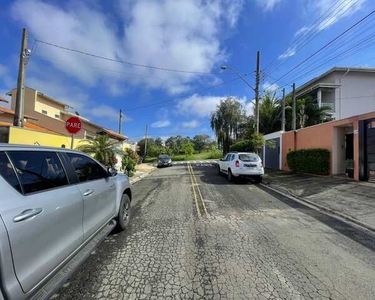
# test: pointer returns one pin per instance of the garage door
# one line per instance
(272, 155)
(370, 149)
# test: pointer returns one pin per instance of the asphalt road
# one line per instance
(241, 242)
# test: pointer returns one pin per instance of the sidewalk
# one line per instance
(352, 200)
(142, 171)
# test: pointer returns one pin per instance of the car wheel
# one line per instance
(219, 170)
(230, 176)
(123, 217)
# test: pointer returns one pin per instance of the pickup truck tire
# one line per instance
(219, 170)
(123, 216)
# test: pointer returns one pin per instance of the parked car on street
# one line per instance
(241, 164)
(56, 206)
(164, 160)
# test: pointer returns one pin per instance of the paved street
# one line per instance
(240, 242)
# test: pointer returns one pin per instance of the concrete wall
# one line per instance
(51, 108)
(357, 94)
(324, 136)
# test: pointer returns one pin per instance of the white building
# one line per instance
(347, 91)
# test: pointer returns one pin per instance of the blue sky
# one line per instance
(197, 36)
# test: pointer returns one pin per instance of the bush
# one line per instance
(243, 146)
(128, 164)
(313, 161)
(214, 154)
(132, 154)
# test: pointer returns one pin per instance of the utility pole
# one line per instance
(144, 154)
(257, 82)
(20, 98)
(283, 112)
(294, 125)
(120, 122)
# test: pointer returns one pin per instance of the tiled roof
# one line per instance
(29, 126)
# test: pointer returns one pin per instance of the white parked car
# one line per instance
(241, 164)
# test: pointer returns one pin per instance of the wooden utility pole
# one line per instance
(283, 112)
(294, 122)
(257, 82)
(145, 144)
(120, 122)
(20, 98)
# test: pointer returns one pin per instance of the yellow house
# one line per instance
(50, 113)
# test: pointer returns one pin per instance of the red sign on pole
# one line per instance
(73, 125)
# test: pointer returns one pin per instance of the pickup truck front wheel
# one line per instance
(123, 217)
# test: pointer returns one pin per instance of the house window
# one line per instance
(57, 116)
(44, 112)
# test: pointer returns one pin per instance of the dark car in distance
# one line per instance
(164, 160)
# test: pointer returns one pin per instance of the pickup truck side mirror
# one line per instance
(112, 172)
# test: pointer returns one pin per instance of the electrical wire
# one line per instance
(125, 62)
(326, 45)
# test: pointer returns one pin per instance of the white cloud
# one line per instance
(269, 88)
(288, 53)
(268, 5)
(342, 10)
(199, 106)
(301, 30)
(190, 124)
(202, 106)
(106, 111)
(172, 34)
(160, 124)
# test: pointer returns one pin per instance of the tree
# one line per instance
(200, 142)
(187, 148)
(103, 149)
(132, 154)
(128, 164)
(225, 121)
(141, 144)
(155, 150)
(159, 142)
(269, 114)
(257, 140)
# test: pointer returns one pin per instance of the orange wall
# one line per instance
(322, 136)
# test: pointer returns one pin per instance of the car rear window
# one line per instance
(38, 170)
(7, 172)
(249, 157)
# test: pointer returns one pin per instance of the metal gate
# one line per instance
(370, 149)
(272, 155)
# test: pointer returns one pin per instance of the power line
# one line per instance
(325, 46)
(189, 95)
(314, 28)
(125, 62)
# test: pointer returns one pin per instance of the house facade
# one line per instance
(346, 91)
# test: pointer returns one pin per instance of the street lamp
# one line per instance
(249, 85)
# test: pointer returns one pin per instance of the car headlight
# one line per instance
(169, 161)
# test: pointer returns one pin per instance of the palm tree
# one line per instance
(269, 114)
(226, 120)
(102, 149)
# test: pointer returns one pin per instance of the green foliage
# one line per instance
(128, 165)
(155, 150)
(132, 154)
(187, 148)
(313, 161)
(258, 141)
(141, 145)
(271, 144)
(102, 149)
(243, 146)
(226, 120)
(159, 142)
(269, 114)
(201, 142)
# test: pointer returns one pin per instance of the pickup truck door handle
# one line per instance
(27, 214)
(88, 192)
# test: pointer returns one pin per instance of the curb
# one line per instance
(141, 177)
(319, 207)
